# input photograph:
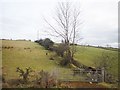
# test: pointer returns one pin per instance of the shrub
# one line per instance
(46, 80)
(60, 49)
(24, 74)
(47, 43)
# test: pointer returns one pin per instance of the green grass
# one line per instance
(38, 60)
(89, 55)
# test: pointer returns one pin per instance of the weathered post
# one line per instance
(103, 74)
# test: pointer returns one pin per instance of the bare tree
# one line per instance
(24, 74)
(68, 26)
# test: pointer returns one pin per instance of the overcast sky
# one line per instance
(22, 19)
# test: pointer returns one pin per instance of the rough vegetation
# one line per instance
(38, 59)
(24, 74)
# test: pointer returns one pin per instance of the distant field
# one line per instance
(36, 58)
(89, 55)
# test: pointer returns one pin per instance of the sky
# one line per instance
(23, 19)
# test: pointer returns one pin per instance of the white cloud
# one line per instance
(23, 18)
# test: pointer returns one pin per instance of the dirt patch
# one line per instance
(77, 84)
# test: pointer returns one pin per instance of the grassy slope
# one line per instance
(19, 57)
(90, 55)
(37, 59)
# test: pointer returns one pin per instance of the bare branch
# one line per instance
(54, 29)
(67, 19)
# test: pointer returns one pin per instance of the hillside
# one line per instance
(29, 54)
(91, 55)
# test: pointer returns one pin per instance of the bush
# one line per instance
(47, 43)
(60, 49)
(46, 80)
(24, 74)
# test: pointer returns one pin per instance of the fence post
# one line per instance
(103, 74)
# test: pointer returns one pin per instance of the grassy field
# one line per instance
(90, 55)
(36, 58)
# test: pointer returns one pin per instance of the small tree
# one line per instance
(48, 43)
(60, 49)
(24, 74)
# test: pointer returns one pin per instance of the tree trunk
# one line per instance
(69, 55)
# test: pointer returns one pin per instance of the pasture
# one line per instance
(34, 57)
(29, 54)
(90, 55)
